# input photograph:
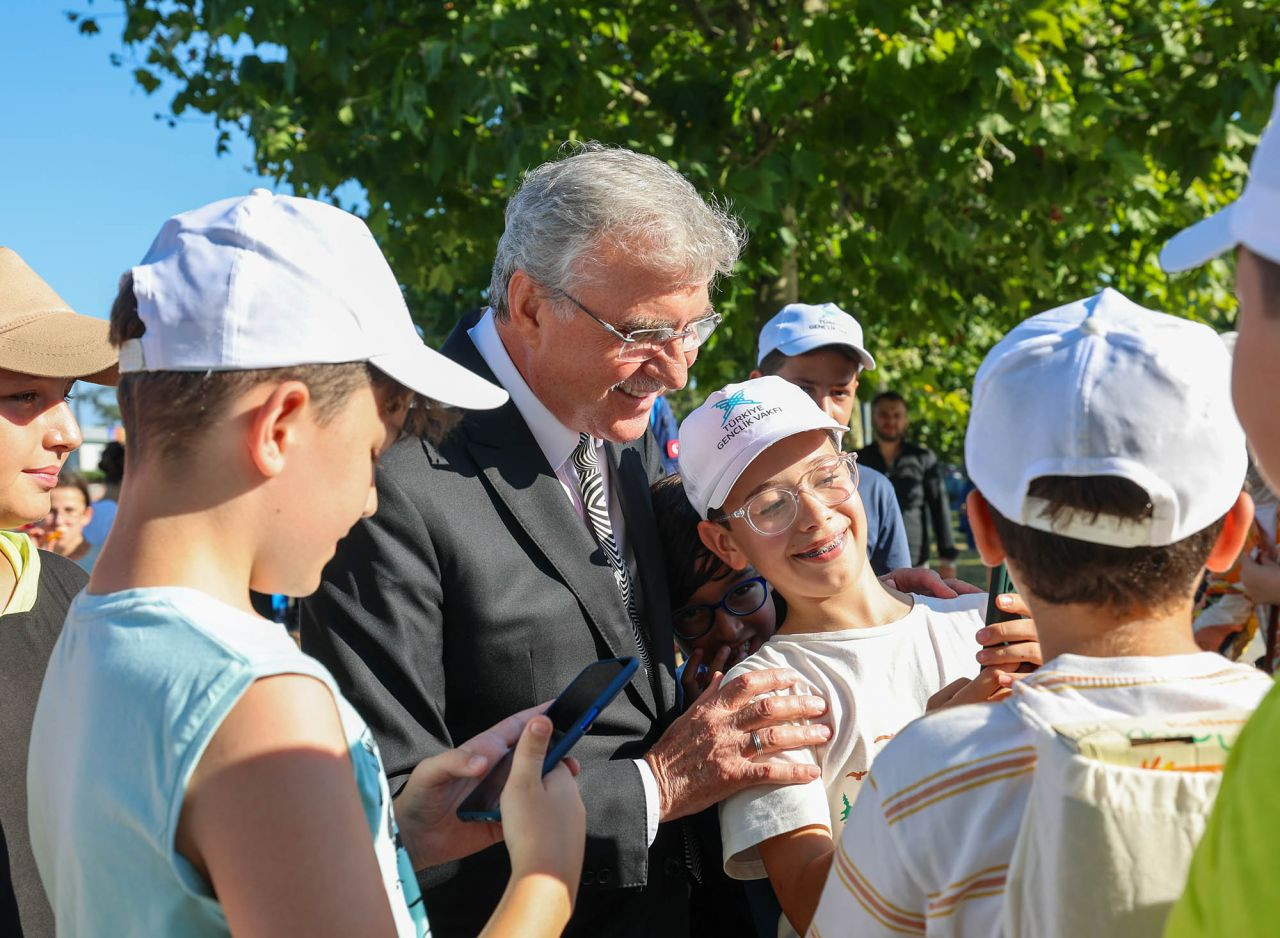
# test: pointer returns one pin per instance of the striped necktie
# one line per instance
(586, 459)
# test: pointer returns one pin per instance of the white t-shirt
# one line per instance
(927, 847)
(137, 686)
(875, 681)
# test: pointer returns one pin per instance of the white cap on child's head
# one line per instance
(270, 281)
(803, 327)
(1104, 387)
(721, 438)
(1252, 220)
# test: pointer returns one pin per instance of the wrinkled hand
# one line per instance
(1022, 653)
(426, 809)
(991, 684)
(542, 816)
(707, 754)
(1260, 579)
(927, 583)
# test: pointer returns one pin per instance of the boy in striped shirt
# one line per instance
(1124, 483)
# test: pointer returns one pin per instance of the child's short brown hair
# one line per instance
(169, 409)
(1064, 570)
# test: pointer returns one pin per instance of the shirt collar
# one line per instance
(17, 550)
(556, 441)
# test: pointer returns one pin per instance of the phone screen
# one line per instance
(565, 711)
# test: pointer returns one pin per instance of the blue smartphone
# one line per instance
(571, 715)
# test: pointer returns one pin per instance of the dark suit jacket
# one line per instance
(476, 591)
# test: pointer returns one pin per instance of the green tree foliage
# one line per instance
(939, 169)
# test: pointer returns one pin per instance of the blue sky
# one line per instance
(89, 174)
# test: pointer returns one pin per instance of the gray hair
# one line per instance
(566, 209)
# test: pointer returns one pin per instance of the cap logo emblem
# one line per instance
(731, 403)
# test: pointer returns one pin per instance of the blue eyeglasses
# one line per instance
(741, 599)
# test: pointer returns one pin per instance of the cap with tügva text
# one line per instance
(721, 438)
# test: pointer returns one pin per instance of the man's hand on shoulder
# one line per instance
(711, 751)
(927, 582)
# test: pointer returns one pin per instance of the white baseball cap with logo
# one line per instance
(271, 281)
(1104, 387)
(721, 438)
(803, 327)
(1252, 220)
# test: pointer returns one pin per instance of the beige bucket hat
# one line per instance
(41, 335)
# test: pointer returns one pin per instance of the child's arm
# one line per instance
(797, 863)
(272, 819)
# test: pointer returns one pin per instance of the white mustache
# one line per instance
(639, 387)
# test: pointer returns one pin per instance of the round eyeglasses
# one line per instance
(773, 511)
(741, 599)
(640, 345)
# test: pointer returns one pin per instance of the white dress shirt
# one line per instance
(557, 443)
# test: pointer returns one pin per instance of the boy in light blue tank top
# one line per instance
(191, 771)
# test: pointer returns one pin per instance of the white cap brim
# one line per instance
(426, 371)
(810, 342)
(747, 455)
(1202, 242)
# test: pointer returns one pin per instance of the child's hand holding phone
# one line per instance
(1011, 643)
(1009, 639)
(543, 820)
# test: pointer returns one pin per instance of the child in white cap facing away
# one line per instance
(760, 461)
(1107, 479)
(194, 773)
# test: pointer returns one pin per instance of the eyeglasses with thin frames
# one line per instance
(773, 511)
(640, 345)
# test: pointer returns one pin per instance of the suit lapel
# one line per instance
(514, 467)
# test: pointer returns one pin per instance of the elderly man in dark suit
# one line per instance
(524, 547)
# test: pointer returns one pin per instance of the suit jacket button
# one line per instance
(588, 877)
(603, 876)
(672, 866)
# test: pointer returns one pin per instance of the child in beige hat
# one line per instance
(44, 349)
